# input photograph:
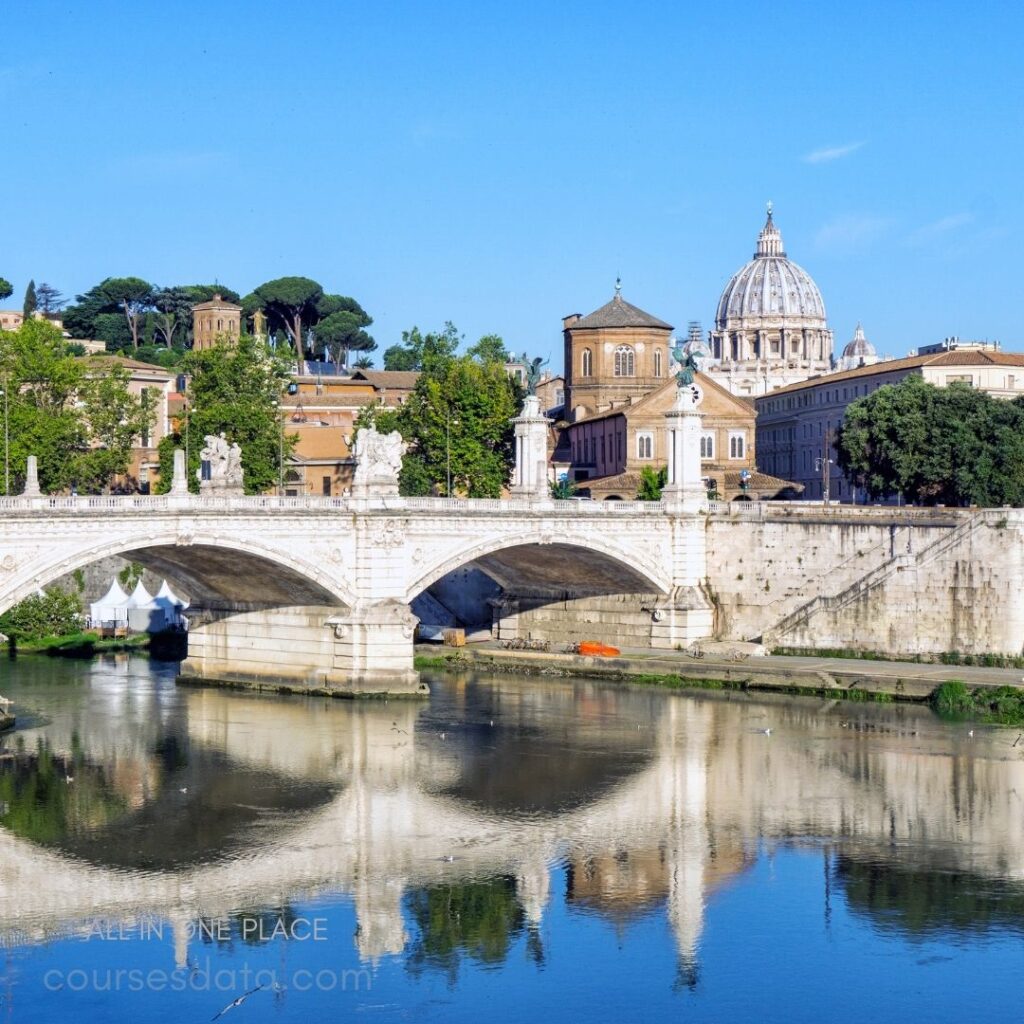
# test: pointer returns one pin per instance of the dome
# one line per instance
(770, 288)
(858, 352)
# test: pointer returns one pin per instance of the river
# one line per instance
(510, 850)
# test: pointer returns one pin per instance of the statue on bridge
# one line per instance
(378, 462)
(689, 365)
(220, 468)
(533, 372)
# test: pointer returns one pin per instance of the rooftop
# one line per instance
(961, 357)
(619, 313)
(402, 379)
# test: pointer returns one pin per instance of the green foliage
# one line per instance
(133, 297)
(478, 919)
(341, 332)
(363, 363)
(489, 349)
(458, 408)
(79, 577)
(30, 303)
(49, 299)
(952, 445)
(55, 613)
(232, 390)
(563, 489)
(1003, 705)
(652, 483)
(5, 289)
(423, 351)
(79, 419)
(130, 575)
(290, 304)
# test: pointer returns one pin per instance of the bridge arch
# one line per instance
(212, 570)
(536, 558)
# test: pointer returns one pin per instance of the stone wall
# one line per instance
(906, 583)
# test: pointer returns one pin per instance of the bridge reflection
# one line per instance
(187, 804)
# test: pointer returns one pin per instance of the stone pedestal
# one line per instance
(685, 489)
(366, 651)
(31, 478)
(179, 482)
(530, 475)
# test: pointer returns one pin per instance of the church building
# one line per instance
(618, 387)
(770, 326)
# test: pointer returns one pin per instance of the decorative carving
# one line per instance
(388, 533)
(417, 556)
(340, 631)
(8, 563)
(220, 470)
(378, 461)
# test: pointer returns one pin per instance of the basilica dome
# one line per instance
(770, 287)
(858, 352)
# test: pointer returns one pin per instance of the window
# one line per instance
(327, 486)
(644, 445)
(707, 446)
(624, 361)
(959, 378)
(560, 397)
(737, 444)
(220, 325)
(146, 438)
(1011, 381)
(587, 363)
(657, 362)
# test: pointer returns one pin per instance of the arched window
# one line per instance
(645, 446)
(624, 361)
(587, 361)
(737, 444)
(707, 446)
(657, 362)
(220, 325)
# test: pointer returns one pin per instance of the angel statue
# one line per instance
(533, 368)
(689, 366)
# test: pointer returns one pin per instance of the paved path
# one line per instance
(908, 680)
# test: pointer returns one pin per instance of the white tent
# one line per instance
(149, 614)
(111, 609)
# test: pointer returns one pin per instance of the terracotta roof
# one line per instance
(309, 401)
(963, 357)
(619, 313)
(404, 380)
(705, 380)
(758, 481)
(129, 364)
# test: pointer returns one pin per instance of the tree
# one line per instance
(563, 488)
(5, 289)
(80, 419)
(363, 363)
(232, 389)
(459, 416)
(490, 349)
(951, 445)
(30, 304)
(133, 296)
(173, 311)
(422, 351)
(342, 332)
(652, 483)
(290, 304)
(57, 612)
(49, 299)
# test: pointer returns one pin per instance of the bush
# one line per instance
(55, 613)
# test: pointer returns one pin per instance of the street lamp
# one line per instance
(7, 446)
(187, 471)
(448, 446)
(280, 446)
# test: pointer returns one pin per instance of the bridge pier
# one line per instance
(363, 652)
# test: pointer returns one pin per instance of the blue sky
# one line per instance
(498, 164)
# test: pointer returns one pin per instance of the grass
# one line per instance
(946, 658)
(80, 645)
(426, 662)
(1001, 705)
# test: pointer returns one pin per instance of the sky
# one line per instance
(498, 165)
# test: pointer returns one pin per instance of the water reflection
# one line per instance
(447, 822)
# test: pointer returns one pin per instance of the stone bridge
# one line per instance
(317, 590)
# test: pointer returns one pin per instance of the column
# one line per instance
(530, 475)
(685, 486)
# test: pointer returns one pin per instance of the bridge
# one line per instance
(318, 589)
(315, 592)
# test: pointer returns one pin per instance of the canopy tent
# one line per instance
(112, 608)
(149, 614)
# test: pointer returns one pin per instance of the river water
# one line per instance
(510, 850)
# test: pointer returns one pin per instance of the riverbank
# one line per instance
(165, 647)
(995, 694)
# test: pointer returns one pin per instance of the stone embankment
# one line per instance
(732, 666)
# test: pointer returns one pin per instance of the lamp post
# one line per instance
(187, 471)
(279, 419)
(448, 445)
(7, 446)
